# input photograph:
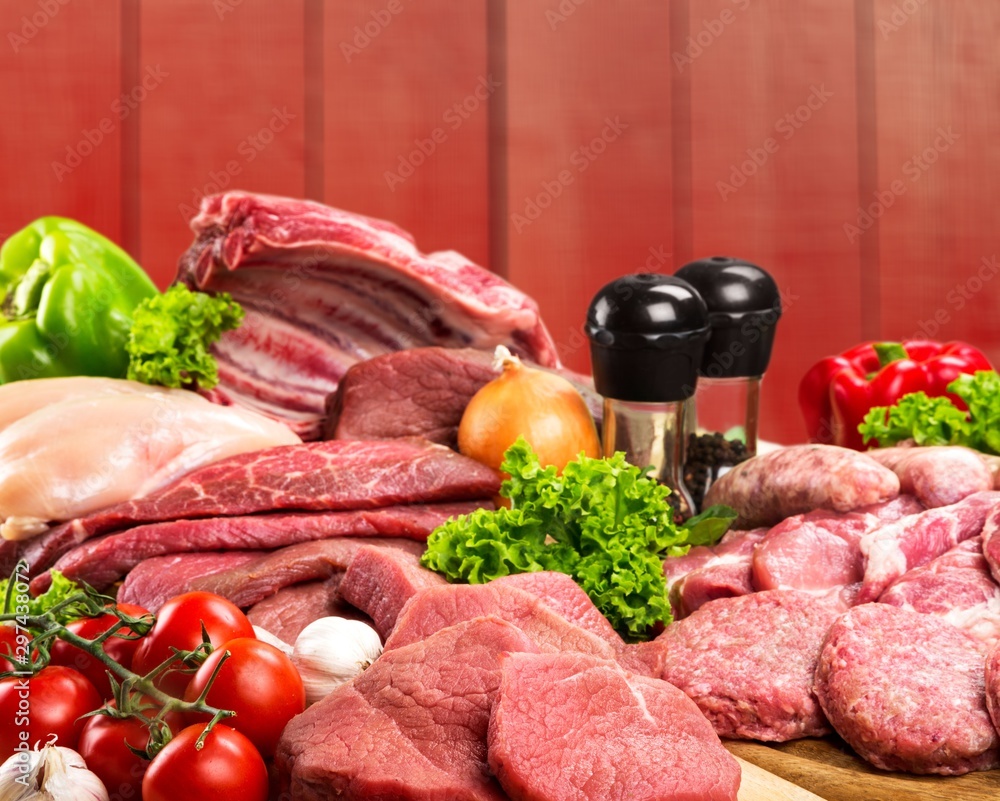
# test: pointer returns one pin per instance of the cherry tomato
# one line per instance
(257, 682)
(45, 708)
(227, 768)
(14, 643)
(178, 624)
(104, 747)
(121, 649)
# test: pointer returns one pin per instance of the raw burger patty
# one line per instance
(907, 691)
(748, 662)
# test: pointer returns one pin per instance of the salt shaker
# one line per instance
(647, 335)
(721, 419)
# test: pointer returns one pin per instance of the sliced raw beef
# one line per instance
(569, 727)
(412, 727)
(725, 574)
(293, 608)
(249, 584)
(325, 288)
(748, 663)
(562, 594)
(102, 561)
(418, 392)
(244, 581)
(439, 607)
(789, 481)
(895, 548)
(380, 581)
(957, 587)
(938, 476)
(991, 542)
(318, 476)
(820, 550)
(152, 583)
(906, 691)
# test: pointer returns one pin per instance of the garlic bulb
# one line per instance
(265, 636)
(51, 774)
(331, 651)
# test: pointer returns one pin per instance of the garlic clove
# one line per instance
(52, 774)
(331, 651)
(265, 636)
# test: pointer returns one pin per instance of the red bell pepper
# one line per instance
(837, 392)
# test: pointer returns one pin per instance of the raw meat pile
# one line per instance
(295, 495)
(490, 692)
(850, 607)
(325, 288)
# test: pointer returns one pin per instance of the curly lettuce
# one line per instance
(602, 521)
(172, 334)
(938, 421)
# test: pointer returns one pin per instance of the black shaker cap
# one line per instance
(744, 306)
(647, 335)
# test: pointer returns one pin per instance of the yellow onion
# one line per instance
(523, 401)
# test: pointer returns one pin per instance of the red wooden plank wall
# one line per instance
(846, 147)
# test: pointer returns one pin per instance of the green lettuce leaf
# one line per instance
(169, 344)
(22, 604)
(602, 521)
(925, 420)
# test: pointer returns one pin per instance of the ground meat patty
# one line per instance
(907, 691)
(748, 663)
(766, 489)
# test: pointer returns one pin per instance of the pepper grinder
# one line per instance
(721, 420)
(647, 333)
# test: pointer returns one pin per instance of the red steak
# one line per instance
(570, 727)
(412, 726)
(318, 476)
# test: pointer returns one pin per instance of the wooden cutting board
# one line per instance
(757, 784)
(831, 770)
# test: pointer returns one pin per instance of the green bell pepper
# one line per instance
(68, 295)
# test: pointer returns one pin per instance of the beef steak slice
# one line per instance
(412, 726)
(571, 727)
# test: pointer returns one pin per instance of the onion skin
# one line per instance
(542, 407)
